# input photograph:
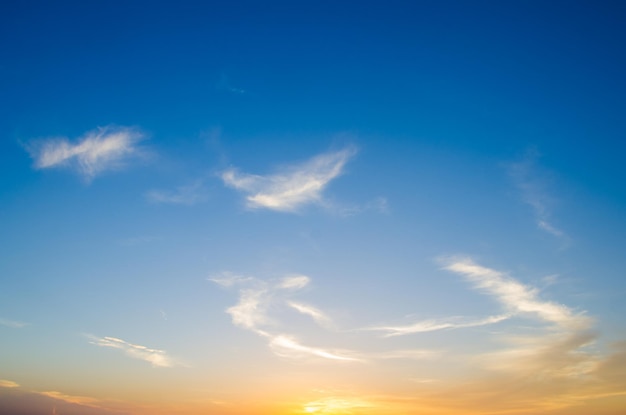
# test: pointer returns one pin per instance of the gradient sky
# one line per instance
(312, 207)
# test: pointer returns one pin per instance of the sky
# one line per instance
(312, 207)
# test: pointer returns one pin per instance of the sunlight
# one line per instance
(337, 406)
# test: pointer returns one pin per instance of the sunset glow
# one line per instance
(312, 207)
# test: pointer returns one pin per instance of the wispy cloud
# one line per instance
(337, 405)
(15, 399)
(436, 324)
(258, 307)
(102, 149)
(293, 187)
(532, 184)
(12, 323)
(80, 400)
(287, 346)
(540, 367)
(317, 315)
(158, 358)
(250, 312)
(190, 194)
(224, 85)
(294, 282)
(257, 298)
(515, 296)
(411, 354)
(228, 279)
(558, 355)
(379, 205)
(8, 384)
(546, 373)
(536, 368)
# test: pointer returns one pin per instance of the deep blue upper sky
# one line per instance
(402, 68)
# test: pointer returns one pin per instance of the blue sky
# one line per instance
(312, 207)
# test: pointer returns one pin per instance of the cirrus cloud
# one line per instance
(158, 358)
(105, 148)
(293, 187)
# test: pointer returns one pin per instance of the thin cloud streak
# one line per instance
(317, 315)
(379, 205)
(415, 354)
(284, 345)
(158, 358)
(515, 296)
(19, 400)
(541, 374)
(102, 149)
(532, 191)
(293, 187)
(435, 325)
(227, 279)
(80, 400)
(12, 323)
(190, 194)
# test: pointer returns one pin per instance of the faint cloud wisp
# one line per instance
(12, 323)
(190, 194)
(224, 85)
(531, 185)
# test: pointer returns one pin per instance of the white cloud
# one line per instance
(434, 325)
(515, 296)
(12, 323)
(414, 354)
(291, 188)
(294, 282)
(250, 311)
(184, 195)
(158, 358)
(256, 297)
(102, 149)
